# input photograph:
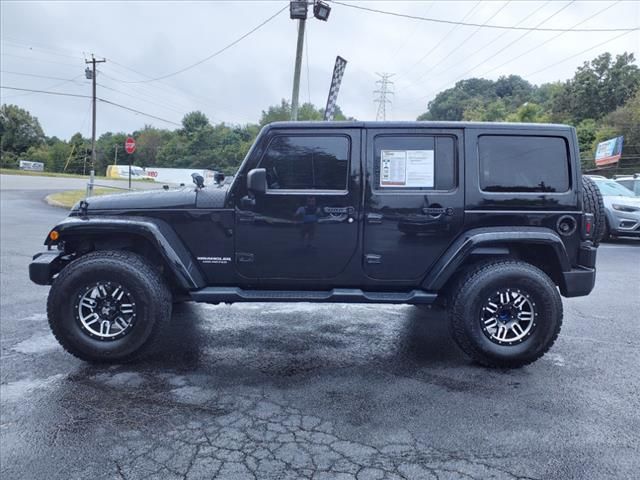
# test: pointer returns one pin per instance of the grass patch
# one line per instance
(69, 198)
(31, 173)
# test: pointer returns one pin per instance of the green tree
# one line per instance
(149, 141)
(106, 146)
(586, 132)
(598, 87)
(19, 130)
(307, 111)
(529, 113)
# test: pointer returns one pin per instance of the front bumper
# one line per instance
(580, 281)
(44, 266)
(625, 224)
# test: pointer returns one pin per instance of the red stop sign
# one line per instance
(130, 145)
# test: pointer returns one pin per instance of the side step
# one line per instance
(336, 295)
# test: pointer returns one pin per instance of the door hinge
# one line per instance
(373, 258)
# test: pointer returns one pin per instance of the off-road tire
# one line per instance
(148, 288)
(592, 203)
(472, 290)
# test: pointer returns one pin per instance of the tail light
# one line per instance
(587, 226)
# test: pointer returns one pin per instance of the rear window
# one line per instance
(523, 163)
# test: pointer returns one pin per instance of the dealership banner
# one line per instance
(609, 152)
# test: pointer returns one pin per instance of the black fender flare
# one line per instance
(167, 243)
(464, 246)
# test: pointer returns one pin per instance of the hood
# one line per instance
(621, 200)
(148, 200)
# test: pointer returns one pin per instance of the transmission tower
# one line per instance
(383, 92)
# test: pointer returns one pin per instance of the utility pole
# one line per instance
(115, 162)
(91, 74)
(298, 11)
(296, 71)
(384, 90)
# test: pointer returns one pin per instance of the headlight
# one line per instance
(625, 208)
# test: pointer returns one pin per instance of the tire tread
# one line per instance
(158, 289)
(456, 317)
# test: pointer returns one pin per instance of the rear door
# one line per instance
(414, 204)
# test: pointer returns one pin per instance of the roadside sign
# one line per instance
(609, 152)
(130, 145)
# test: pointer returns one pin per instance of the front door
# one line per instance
(414, 200)
(305, 225)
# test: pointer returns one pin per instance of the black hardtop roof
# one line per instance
(414, 124)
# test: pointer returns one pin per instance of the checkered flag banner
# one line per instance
(338, 72)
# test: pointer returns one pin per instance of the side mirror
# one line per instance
(257, 180)
(218, 177)
(198, 180)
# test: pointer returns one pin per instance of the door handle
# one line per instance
(438, 211)
(339, 210)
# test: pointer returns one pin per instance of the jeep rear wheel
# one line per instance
(505, 314)
(108, 306)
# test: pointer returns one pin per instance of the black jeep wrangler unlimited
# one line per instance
(494, 221)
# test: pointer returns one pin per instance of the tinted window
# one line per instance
(609, 188)
(444, 163)
(307, 163)
(523, 164)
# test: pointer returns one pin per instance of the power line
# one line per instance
(138, 112)
(39, 60)
(39, 76)
(51, 87)
(103, 100)
(48, 51)
(516, 40)
(457, 47)
(467, 24)
(461, 76)
(149, 92)
(413, 31)
(140, 99)
(494, 40)
(46, 91)
(578, 54)
(445, 37)
(551, 39)
(214, 54)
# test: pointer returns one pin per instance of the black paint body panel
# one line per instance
(365, 237)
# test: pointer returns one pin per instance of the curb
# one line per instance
(54, 203)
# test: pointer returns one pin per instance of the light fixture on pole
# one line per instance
(298, 11)
(321, 10)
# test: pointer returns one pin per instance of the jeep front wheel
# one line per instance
(108, 306)
(505, 314)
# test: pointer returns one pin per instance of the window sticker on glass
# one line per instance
(406, 168)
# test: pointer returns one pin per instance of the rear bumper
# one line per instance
(580, 281)
(44, 266)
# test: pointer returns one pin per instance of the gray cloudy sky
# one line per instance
(159, 37)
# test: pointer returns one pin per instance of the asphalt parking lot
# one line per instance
(276, 391)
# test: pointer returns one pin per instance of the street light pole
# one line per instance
(298, 11)
(296, 71)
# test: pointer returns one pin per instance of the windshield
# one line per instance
(609, 188)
